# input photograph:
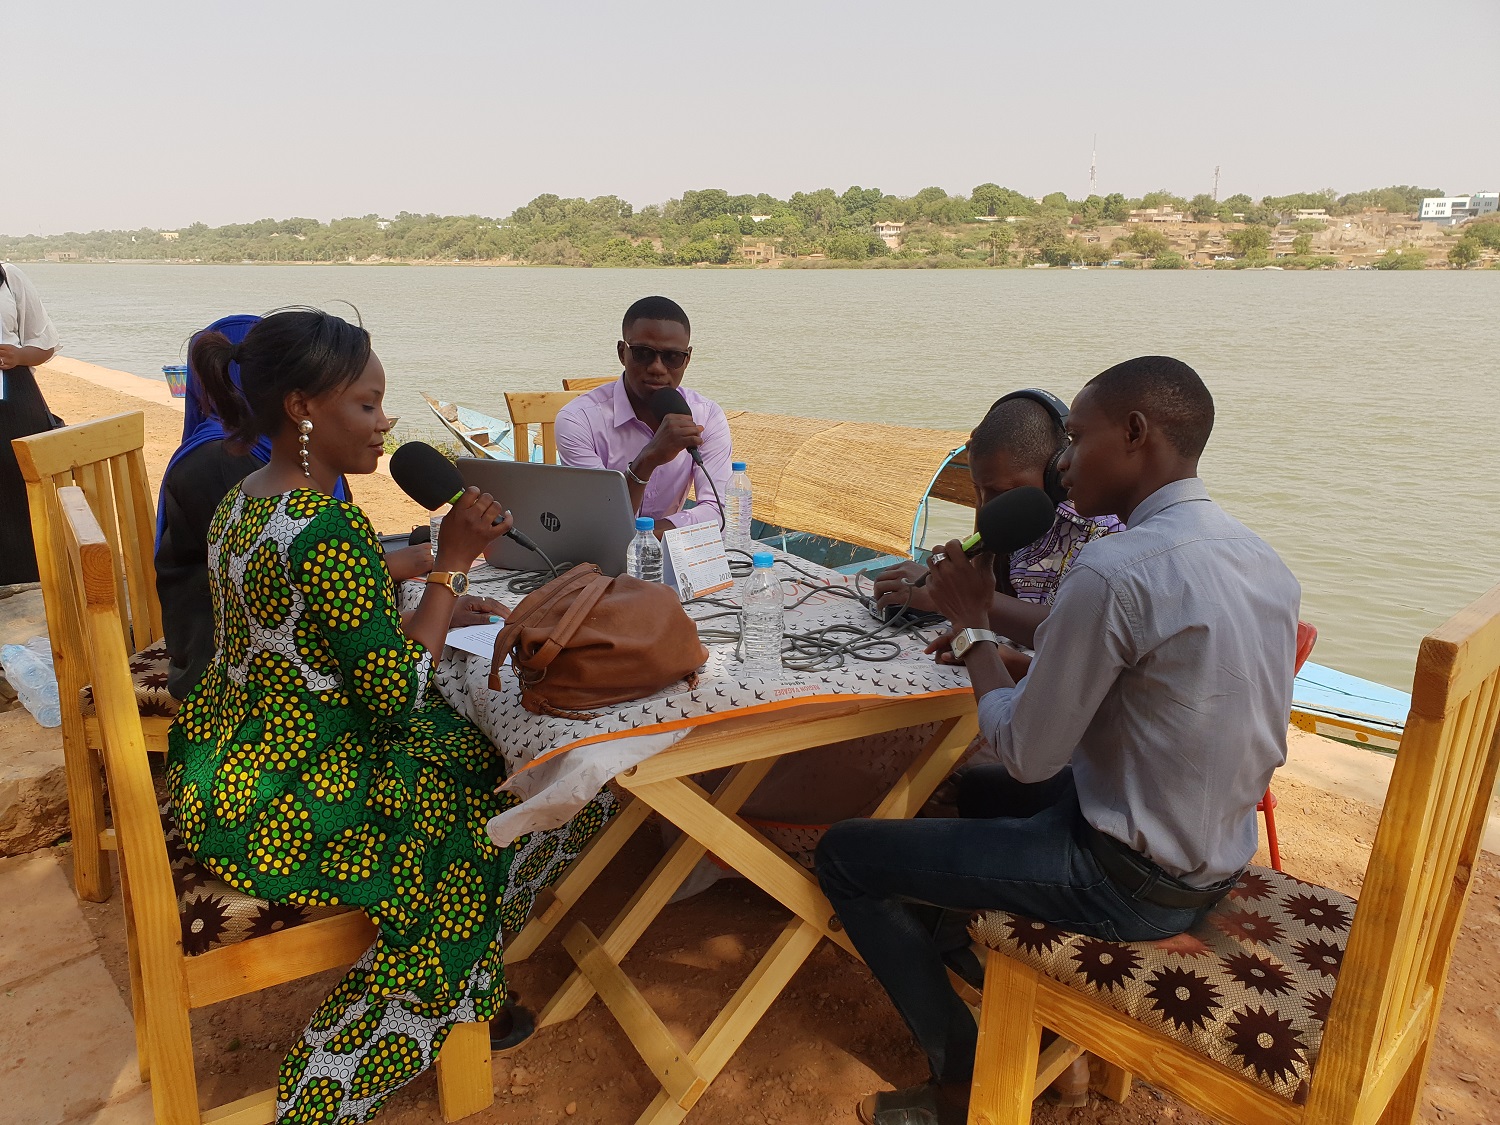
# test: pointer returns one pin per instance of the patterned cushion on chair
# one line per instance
(148, 671)
(214, 913)
(1250, 988)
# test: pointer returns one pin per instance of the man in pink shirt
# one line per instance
(613, 427)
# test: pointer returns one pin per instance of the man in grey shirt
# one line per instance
(1125, 770)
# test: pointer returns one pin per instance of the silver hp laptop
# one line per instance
(575, 515)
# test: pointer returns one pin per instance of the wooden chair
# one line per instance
(105, 458)
(1307, 636)
(588, 384)
(165, 983)
(1240, 1017)
(536, 408)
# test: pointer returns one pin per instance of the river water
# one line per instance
(1355, 430)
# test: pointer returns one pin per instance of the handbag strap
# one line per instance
(557, 588)
(582, 606)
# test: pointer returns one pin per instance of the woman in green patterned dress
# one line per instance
(312, 764)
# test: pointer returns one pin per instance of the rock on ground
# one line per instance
(33, 786)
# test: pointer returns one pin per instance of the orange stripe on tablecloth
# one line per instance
(704, 720)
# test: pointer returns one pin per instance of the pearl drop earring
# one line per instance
(306, 427)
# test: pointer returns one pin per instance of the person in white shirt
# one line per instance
(27, 340)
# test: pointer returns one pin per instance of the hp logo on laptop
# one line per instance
(550, 521)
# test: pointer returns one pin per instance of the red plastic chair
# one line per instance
(1307, 636)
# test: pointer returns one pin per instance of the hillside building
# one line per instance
(1156, 215)
(890, 233)
(757, 252)
(1449, 210)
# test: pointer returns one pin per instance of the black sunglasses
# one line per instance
(671, 360)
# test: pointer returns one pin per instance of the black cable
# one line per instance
(529, 581)
(723, 516)
(826, 648)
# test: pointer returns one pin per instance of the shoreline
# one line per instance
(790, 264)
(79, 391)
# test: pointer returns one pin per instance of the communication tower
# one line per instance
(1216, 183)
(1094, 168)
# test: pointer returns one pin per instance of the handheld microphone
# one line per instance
(431, 480)
(1009, 522)
(669, 400)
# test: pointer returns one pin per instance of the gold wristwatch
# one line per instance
(455, 580)
(968, 638)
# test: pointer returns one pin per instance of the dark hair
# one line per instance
(292, 349)
(655, 308)
(1020, 427)
(1167, 391)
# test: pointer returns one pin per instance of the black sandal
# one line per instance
(916, 1105)
(522, 1028)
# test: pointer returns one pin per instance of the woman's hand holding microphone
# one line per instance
(475, 520)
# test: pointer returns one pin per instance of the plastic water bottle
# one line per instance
(737, 509)
(762, 620)
(643, 557)
(29, 669)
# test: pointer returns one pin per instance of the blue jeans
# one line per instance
(1014, 847)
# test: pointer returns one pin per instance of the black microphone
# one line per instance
(432, 480)
(1009, 522)
(669, 400)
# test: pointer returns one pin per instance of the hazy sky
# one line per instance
(162, 113)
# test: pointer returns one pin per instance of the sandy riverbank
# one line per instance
(832, 1036)
(78, 391)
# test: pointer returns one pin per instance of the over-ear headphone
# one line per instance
(1051, 479)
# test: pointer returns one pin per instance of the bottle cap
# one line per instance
(763, 560)
(644, 523)
(737, 466)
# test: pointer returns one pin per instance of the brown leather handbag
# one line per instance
(586, 641)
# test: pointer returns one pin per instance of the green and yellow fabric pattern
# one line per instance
(312, 765)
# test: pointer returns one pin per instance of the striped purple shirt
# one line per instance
(1036, 570)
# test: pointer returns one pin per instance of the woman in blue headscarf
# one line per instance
(199, 475)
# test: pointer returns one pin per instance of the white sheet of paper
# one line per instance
(476, 639)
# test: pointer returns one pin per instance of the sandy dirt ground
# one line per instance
(77, 400)
(832, 1037)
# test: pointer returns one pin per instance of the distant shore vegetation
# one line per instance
(991, 227)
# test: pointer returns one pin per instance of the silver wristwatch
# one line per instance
(968, 638)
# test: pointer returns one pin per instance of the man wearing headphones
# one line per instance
(1131, 757)
(1018, 444)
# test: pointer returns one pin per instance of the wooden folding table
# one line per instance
(749, 747)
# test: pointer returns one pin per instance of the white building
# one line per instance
(890, 233)
(1156, 215)
(1445, 211)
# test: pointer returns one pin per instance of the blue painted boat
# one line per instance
(1335, 704)
(476, 433)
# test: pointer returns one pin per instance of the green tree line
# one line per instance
(711, 226)
(1478, 236)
